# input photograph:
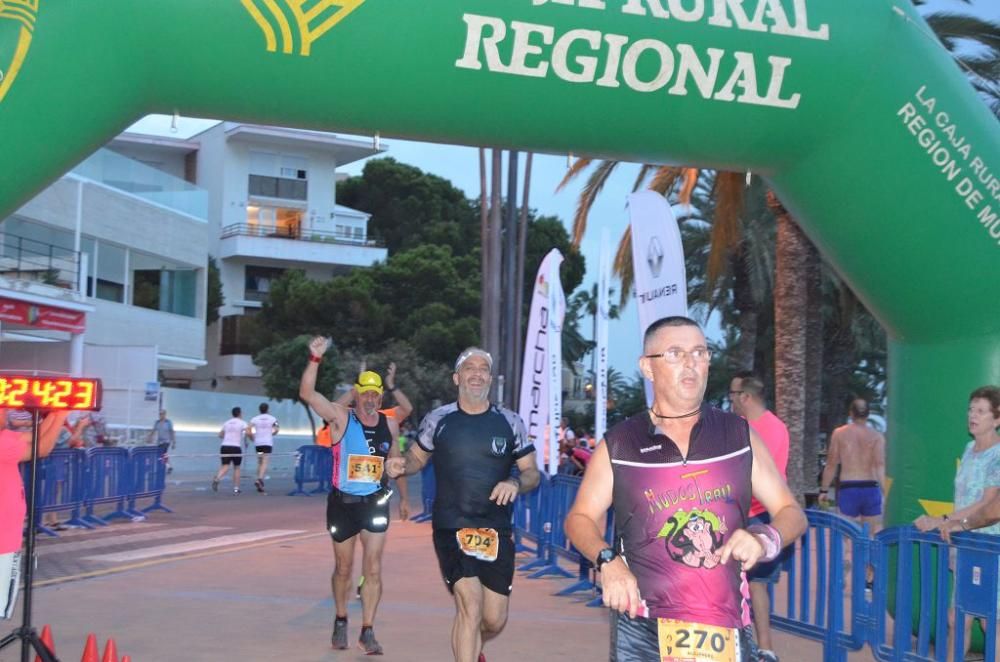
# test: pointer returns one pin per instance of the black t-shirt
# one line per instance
(472, 453)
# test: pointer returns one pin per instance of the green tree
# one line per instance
(282, 365)
(410, 208)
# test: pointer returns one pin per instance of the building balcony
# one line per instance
(290, 243)
(129, 176)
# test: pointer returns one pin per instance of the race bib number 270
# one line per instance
(695, 642)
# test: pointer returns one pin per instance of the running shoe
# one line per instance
(361, 582)
(339, 638)
(259, 484)
(368, 644)
(215, 484)
(482, 658)
(764, 655)
(236, 490)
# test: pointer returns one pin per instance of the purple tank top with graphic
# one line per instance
(673, 515)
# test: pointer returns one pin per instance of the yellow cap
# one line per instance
(369, 381)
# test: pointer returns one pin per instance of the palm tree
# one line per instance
(975, 43)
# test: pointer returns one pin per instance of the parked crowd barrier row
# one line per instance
(75, 481)
(822, 599)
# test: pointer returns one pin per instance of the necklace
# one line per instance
(687, 415)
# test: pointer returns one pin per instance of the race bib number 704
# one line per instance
(692, 642)
(483, 544)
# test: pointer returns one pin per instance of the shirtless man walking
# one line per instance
(859, 450)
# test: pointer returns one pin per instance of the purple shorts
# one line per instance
(859, 498)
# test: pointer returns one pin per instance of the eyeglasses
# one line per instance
(678, 355)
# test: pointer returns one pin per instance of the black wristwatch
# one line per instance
(390, 389)
(603, 556)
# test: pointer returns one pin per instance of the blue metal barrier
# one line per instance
(106, 480)
(815, 607)
(824, 599)
(147, 470)
(59, 487)
(313, 464)
(428, 488)
(923, 576)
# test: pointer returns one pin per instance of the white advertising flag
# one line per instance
(603, 310)
(541, 378)
(657, 262)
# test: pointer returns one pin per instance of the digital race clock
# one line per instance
(34, 392)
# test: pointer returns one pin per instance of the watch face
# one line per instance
(605, 555)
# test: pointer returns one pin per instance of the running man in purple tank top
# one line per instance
(679, 478)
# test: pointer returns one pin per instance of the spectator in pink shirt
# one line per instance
(746, 393)
(15, 447)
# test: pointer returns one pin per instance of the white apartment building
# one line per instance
(103, 274)
(271, 207)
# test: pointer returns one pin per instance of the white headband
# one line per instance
(473, 351)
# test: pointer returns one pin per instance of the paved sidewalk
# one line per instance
(262, 598)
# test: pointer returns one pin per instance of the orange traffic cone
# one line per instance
(126, 658)
(90, 649)
(46, 639)
(110, 652)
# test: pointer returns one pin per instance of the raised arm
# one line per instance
(335, 414)
(403, 405)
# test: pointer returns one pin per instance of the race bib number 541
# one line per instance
(693, 642)
(364, 468)
(483, 544)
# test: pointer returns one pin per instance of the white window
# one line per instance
(263, 163)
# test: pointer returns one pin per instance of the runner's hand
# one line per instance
(619, 588)
(744, 547)
(504, 492)
(390, 375)
(318, 346)
(395, 467)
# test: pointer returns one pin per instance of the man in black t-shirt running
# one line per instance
(475, 445)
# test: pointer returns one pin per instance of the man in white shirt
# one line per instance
(232, 434)
(262, 429)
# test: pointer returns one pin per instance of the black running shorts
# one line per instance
(497, 576)
(263, 450)
(348, 515)
(232, 455)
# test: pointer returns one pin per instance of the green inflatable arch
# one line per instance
(860, 121)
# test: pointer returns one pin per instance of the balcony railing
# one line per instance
(138, 179)
(22, 258)
(291, 232)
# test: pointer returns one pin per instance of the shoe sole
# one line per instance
(362, 649)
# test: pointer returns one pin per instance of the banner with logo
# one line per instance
(657, 261)
(541, 379)
(603, 311)
(42, 317)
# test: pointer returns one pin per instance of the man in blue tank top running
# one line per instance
(358, 506)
